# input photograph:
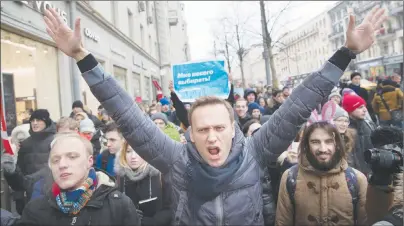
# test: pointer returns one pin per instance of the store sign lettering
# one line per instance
(89, 34)
(41, 6)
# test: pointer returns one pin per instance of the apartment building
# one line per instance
(303, 50)
(306, 48)
(131, 40)
(385, 57)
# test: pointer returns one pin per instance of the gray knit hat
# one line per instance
(87, 125)
(340, 112)
(161, 116)
(334, 93)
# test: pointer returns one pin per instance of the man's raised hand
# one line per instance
(67, 40)
(361, 37)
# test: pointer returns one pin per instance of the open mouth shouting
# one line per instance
(214, 152)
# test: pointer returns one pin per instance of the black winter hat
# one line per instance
(41, 114)
(78, 104)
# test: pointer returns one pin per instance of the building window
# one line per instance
(147, 88)
(136, 85)
(385, 47)
(120, 75)
(156, 50)
(130, 24)
(142, 36)
(150, 45)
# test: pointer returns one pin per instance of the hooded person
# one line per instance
(389, 96)
(32, 156)
(250, 95)
(166, 126)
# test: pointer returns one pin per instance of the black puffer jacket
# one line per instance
(363, 129)
(34, 151)
(107, 206)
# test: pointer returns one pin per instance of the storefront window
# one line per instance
(120, 75)
(136, 84)
(33, 67)
(147, 88)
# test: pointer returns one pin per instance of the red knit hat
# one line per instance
(352, 101)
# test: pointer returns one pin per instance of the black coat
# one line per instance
(107, 206)
(363, 142)
(155, 212)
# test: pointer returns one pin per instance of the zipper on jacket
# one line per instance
(219, 210)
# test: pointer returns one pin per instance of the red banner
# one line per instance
(4, 135)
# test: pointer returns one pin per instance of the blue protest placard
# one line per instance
(196, 79)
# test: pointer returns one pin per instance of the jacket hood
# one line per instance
(133, 175)
(248, 91)
(237, 146)
(388, 88)
(50, 130)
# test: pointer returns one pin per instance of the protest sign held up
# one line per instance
(196, 79)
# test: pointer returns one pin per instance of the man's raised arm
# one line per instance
(277, 134)
(140, 132)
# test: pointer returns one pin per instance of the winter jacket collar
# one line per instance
(48, 131)
(388, 88)
(106, 185)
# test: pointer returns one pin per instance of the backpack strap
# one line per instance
(352, 182)
(291, 181)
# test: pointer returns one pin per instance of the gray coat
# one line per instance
(241, 203)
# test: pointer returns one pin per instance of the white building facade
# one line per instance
(303, 50)
(131, 40)
(306, 48)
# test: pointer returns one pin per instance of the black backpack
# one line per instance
(351, 179)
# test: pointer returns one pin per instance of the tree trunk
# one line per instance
(242, 72)
(275, 82)
(227, 53)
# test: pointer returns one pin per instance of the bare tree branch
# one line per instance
(279, 14)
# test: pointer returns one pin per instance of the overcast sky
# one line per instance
(202, 18)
